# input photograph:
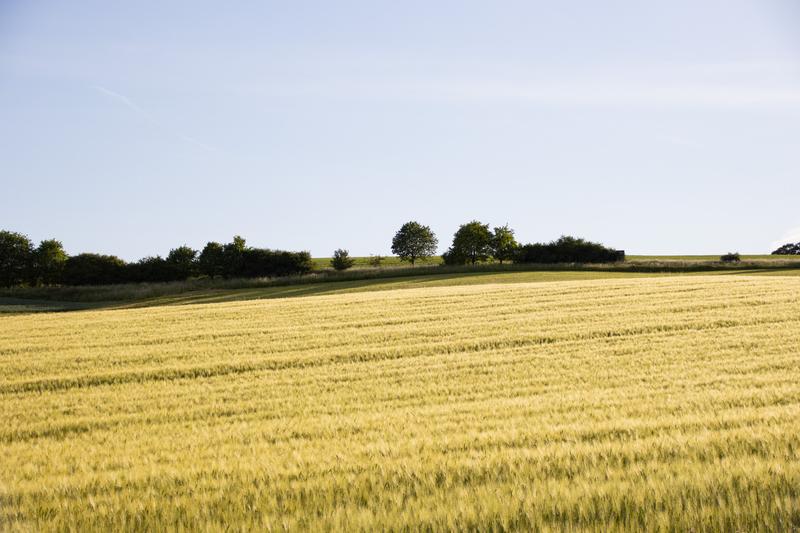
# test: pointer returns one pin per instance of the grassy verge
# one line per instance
(149, 291)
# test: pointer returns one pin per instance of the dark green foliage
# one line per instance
(49, 259)
(341, 260)
(567, 250)
(731, 258)
(149, 269)
(16, 258)
(503, 244)
(414, 241)
(471, 243)
(788, 249)
(211, 260)
(48, 264)
(182, 262)
(264, 263)
(235, 260)
(301, 262)
(94, 269)
(233, 257)
(375, 260)
(451, 258)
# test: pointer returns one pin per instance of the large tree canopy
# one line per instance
(16, 256)
(414, 241)
(49, 259)
(471, 243)
(503, 245)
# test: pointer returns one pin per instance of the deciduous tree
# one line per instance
(341, 260)
(471, 243)
(16, 255)
(49, 259)
(503, 244)
(181, 261)
(211, 261)
(414, 241)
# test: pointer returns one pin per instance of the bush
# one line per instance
(341, 260)
(453, 257)
(375, 260)
(148, 269)
(568, 250)
(94, 269)
(731, 258)
(788, 249)
(301, 262)
(263, 263)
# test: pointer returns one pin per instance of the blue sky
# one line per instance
(656, 127)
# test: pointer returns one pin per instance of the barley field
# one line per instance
(662, 403)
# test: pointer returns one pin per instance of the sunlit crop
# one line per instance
(662, 403)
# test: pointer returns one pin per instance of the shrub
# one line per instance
(301, 262)
(731, 258)
(452, 257)
(341, 260)
(94, 269)
(149, 269)
(262, 263)
(375, 261)
(568, 250)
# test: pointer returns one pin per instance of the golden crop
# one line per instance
(663, 403)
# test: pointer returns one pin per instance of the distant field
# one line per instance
(219, 295)
(392, 273)
(620, 403)
(388, 261)
(703, 257)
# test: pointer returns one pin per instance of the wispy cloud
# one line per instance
(130, 104)
(120, 98)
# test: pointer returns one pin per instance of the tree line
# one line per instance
(474, 242)
(22, 263)
(788, 249)
(48, 264)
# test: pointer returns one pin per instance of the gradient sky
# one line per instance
(656, 127)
